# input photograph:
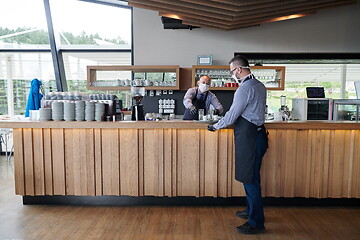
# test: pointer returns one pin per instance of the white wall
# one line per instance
(329, 30)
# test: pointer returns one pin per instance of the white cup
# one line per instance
(127, 117)
(215, 117)
(277, 116)
(172, 116)
(148, 82)
(34, 115)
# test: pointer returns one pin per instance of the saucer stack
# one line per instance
(80, 110)
(89, 111)
(45, 114)
(57, 111)
(99, 111)
(69, 111)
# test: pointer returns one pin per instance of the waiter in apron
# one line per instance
(247, 113)
(200, 98)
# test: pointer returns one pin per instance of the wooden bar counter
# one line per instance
(181, 158)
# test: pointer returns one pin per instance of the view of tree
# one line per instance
(298, 90)
(36, 37)
(42, 37)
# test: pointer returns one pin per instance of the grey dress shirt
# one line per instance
(211, 99)
(249, 102)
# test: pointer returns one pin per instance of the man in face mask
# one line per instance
(200, 98)
(247, 114)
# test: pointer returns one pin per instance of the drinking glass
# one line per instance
(201, 114)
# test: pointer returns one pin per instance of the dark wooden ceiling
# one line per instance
(234, 14)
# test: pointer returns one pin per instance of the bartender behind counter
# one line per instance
(200, 98)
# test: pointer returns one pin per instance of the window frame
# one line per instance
(59, 70)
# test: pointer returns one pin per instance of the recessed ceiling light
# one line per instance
(290, 17)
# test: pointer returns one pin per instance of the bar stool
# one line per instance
(5, 134)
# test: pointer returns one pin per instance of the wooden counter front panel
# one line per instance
(182, 162)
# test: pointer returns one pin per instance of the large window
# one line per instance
(329, 76)
(88, 25)
(335, 72)
(16, 72)
(23, 25)
(86, 32)
(76, 75)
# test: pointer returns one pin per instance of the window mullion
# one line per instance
(58, 62)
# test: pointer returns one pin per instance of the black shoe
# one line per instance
(247, 228)
(242, 214)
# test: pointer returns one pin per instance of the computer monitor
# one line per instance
(315, 92)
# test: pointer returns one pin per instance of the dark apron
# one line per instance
(199, 104)
(245, 134)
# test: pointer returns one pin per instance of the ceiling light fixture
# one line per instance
(170, 15)
(290, 17)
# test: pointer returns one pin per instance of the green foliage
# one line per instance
(36, 37)
(42, 37)
(298, 90)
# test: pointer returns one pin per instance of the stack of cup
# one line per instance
(80, 110)
(69, 111)
(99, 111)
(45, 114)
(89, 111)
(57, 111)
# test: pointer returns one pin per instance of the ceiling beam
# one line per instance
(181, 6)
(241, 3)
(218, 28)
(225, 15)
(279, 10)
(235, 11)
(194, 17)
(239, 25)
(246, 19)
(212, 4)
(292, 10)
(169, 8)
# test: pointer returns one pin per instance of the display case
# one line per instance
(273, 77)
(117, 77)
(346, 109)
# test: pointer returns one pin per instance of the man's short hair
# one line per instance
(239, 60)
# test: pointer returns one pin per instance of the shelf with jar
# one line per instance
(273, 77)
(120, 77)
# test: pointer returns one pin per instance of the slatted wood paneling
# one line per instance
(182, 162)
(229, 15)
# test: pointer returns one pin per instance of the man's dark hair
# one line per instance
(240, 60)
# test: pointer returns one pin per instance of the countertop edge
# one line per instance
(326, 125)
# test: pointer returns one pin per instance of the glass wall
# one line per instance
(329, 76)
(91, 26)
(23, 25)
(75, 68)
(89, 33)
(18, 69)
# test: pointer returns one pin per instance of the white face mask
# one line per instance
(203, 87)
(235, 78)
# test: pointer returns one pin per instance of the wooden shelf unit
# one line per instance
(279, 76)
(92, 75)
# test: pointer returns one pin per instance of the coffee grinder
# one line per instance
(137, 110)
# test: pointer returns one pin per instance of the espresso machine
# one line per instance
(137, 109)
